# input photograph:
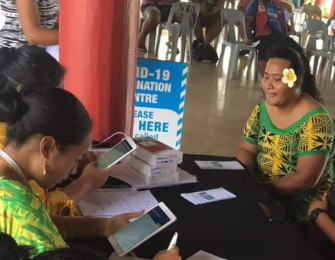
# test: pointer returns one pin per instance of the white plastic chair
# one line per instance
(315, 30)
(332, 35)
(188, 13)
(230, 39)
(229, 4)
(332, 43)
(307, 12)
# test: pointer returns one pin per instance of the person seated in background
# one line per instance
(47, 134)
(209, 18)
(331, 24)
(265, 22)
(243, 4)
(330, 21)
(288, 141)
(29, 69)
(153, 12)
(29, 21)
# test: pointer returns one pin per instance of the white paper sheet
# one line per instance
(202, 255)
(207, 196)
(255, 44)
(53, 50)
(114, 256)
(112, 202)
(219, 165)
(126, 174)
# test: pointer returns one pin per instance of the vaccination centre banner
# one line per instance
(159, 100)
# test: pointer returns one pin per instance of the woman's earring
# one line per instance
(19, 88)
(44, 169)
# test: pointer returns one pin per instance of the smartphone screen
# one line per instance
(114, 154)
(141, 228)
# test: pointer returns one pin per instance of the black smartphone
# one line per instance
(273, 211)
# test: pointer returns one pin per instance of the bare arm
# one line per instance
(76, 227)
(327, 225)
(172, 254)
(308, 172)
(70, 227)
(248, 27)
(90, 180)
(323, 221)
(241, 7)
(220, 4)
(30, 22)
(246, 153)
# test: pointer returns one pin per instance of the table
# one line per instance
(234, 229)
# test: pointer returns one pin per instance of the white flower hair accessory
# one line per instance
(289, 77)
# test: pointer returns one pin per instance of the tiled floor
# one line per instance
(216, 110)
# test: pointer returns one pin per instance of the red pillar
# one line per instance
(332, 11)
(319, 2)
(98, 47)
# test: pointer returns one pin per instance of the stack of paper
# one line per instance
(155, 162)
(112, 202)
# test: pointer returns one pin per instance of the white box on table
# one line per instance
(154, 179)
(149, 170)
(156, 153)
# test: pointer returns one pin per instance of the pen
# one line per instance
(173, 242)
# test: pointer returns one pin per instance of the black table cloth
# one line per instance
(235, 229)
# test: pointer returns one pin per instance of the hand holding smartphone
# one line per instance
(116, 153)
(141, 229)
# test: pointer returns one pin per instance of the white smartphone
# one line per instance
(141, 229)
(116, 153)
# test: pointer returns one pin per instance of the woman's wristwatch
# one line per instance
(315, 213)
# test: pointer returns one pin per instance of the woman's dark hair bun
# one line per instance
(12, 106)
